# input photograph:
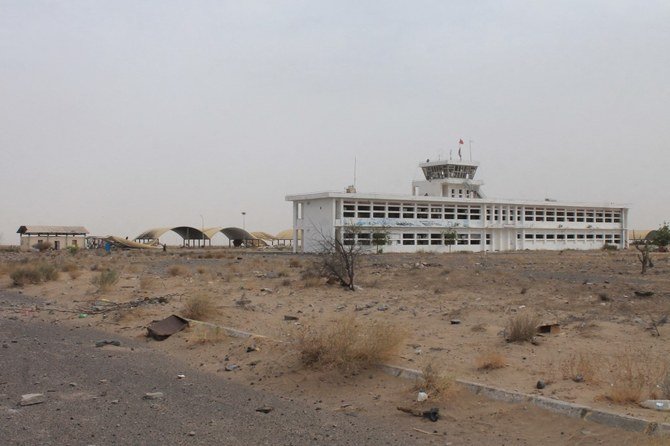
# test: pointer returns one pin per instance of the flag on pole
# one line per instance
(460, 141)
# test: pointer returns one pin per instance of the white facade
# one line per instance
(450, 202)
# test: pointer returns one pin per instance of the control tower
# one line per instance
(448, 178)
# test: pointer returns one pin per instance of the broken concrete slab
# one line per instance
(30, 399)
(163, 329)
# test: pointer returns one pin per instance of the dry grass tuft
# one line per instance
(349, 346)
(312, 282)
(147, 282)
(34, 274)
(74, 274)
(490, 361)
(69, 267)
(522, 327)
(177, 270)
(634, 377)
(436, 384)
(294, 263)
(198, 307)
(106, 280)
(581, 367)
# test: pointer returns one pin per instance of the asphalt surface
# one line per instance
(95, 396)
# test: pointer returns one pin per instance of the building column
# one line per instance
(295, 227)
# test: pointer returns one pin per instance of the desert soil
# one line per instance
(608, 334)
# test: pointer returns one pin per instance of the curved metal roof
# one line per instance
(286, 234)
(191, 233)
(237, 234)
(185, 232)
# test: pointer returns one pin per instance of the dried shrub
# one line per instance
(634, 377)
(198, 307)
(294, 263)
(286, 282)
(177, 270)
(522, 327)
(43, 246)
(665, 386)
(106, 280)
(34, 274)
(349, 346)
(490, 361)
(147, 282)
(74, 274)
(581, 367)
(23, 276)
(69, 267)
(436, 384)
(312, 282)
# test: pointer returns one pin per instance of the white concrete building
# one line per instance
(448, 211)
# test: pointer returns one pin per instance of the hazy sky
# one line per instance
(127, 115)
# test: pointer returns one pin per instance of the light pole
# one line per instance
(244, 226)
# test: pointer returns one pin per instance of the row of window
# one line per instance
(474, 212)
(421, 238)
(609, 238)
(466, 238)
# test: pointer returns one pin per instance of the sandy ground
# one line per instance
(606, 331)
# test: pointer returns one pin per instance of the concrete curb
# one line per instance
(557, 406)
(233, 332)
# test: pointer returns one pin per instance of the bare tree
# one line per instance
(644, 255)
(339, 256)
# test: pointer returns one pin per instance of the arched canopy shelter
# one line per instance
(191, 236)
(239, 237)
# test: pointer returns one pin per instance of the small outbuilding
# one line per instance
(54, 237)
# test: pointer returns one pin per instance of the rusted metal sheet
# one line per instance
(165, 328)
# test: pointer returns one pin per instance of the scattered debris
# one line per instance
(181, 376)
(163, 329)
(231, 367)
(266, 290)
(663, 405)
(382, 307)
(421, 396)
(455, 321)
(426, 432)
(107, 342)
(253, 348)
(30, 399)
(432, 414)
(153, 396)
(644, 293)
(265, 409)
(290, 318)
(540, 384)
(550, 328)
(578, 378)
(105, 306)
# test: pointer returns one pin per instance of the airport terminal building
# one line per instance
(447, 211)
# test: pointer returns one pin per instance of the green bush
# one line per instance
(106, 280)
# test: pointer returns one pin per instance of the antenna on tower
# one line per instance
(354, 172)
(470, 145)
